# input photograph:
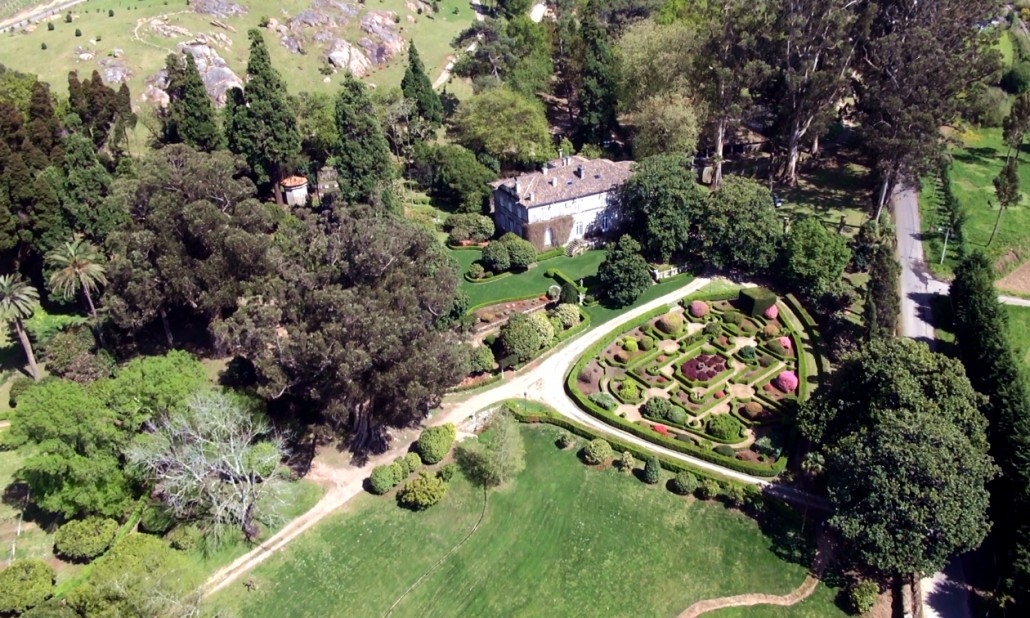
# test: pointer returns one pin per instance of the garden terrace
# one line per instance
(705, 378)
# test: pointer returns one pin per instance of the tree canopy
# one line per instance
(506, 125)
(624, 274)
(362, 154)
(816, 257)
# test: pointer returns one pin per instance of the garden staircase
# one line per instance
(576, 247)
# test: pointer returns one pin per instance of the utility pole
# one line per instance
(947, 233)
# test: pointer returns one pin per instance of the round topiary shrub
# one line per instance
(732, 317)
(184, 537)
(568, 315)
(629, 344)
(771, 330)
(629, 390)
(447, 472)
(627, 461)
(383, 478)
(723, 427)
(699, 308)
(725, 450)
(604, 400)
(422, 493)
(476, 271)
(647, 343)
(597, 452)
(657, 408)
(156, 519)
(564, 439)
(412, 461)
(677, 416)
(82, 540)
(652, 470)
(787, 381)
(772, 312)
(747, 352)
(42, 46)
(435, 442)
(78, 32)
(862, 596)
(709, 489)
(711, 329)
(684, 483)
(25, 584)
(752, 410)
(670, 324)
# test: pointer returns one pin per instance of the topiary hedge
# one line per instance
(755, 301)
(652, 470)
(684, 483)
(85, 539)
(383, 478)
(670, 324)
(25, 584)
(435, 442)
(597, 452)
(723, 427)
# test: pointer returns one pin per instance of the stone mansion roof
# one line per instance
(566, 179)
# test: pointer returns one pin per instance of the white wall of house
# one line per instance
(588, 213)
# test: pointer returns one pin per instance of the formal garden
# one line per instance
(713, 377)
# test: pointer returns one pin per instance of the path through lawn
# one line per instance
(564, 540)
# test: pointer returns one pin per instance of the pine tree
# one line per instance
(362, 156)
(264, 128)
(190, 118)
(417, 87)
(597, 96)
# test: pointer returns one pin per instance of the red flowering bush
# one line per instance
(787, 381)
(699, 308)
(772, 312)
(661, 429)
(720, 394)
(785, 342)
(703, 367)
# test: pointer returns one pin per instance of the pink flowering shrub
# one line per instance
(661, 429)
(787, 381)
(699, 308)
(772, 312)
(785, 342)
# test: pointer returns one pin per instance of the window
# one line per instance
(605, 223)
(548, 237)
(579, 228)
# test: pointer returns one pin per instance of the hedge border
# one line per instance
(501, 301)
(490, 279)
(550, 254)
(558, 275)
(471, 387)
(465, 247)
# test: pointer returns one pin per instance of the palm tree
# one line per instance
(18, 302)
(77, 266)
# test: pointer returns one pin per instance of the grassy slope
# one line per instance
(145, 55)
(532, 281)
(563, 540)
(1019, 331)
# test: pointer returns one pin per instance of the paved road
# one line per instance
(944, 593)
(35, 14)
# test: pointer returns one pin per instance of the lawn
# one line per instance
(1019, 331)
(831, 193)
(527, 283)
(144, 50)
(820, 605)
(562, 540)
(976, 163)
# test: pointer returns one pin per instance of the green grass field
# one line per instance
(144, 50)
(831, 193)
(562, 540)
(975, 166)
(1019, 331)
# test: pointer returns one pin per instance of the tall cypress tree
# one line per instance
(190, 118)
(597, 96)
(362, 155)
(264, 128)
(417, 87)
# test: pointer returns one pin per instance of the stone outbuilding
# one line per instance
(295, 190)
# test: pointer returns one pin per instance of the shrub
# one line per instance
(709, 489)
(754, 301)
(520, 338)
(626, 461)
(787, 381)
(684, 484)
(677, 416)
(25, 584)
(42, 46)
(422, 493)
(725, 450)
(767, 447)
(50, 26)
(711, 329)
(78, 32)
(18, 388)
(447, 472)
(661, 430)
(629, 390)
(604, 400)
(785, 343)
(748, 352)
(564, 439)
(752, 410)
(647, 343)
(435, 442)
(568, 315)
(482, 359)
(476, 270)
(771, 313)
(68, 18)
(521, 253)
(777, 348)
(630, 344)
(544, 329)
(652, 470)
(1017, 79)
(569, 294)
(156, 519)
(862, 596)
(597, 451)
(110, 12)
(412, 462)
(85, 539)
(732, 317)
(70, 354)
(496, 258)
(723, 427)
(183, 537)
(736, 495)
(657, 408)
(383, 478)
(771, 330)
(670, 323)
(699, 308)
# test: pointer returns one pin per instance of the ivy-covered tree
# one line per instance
(260, 123)
(624, 274)
(190, 116)
(417, 88)
(362, 154)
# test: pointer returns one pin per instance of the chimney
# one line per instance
(543, 169)
(579, 171)
(554, 182)
(518, 187)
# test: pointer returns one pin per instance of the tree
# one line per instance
(454, 174)
(652, 470)
(624, 274)
(670, 124)
(739, 228)
(816, 257)
(597, 452)
(261, 124)
(482, 359)
(362, 154)
(25, 584)
(74, 465)
(598, 101)
(905, 450)
(423, 492)
(1016, 124)
(219, 462)
(1006, 188)
(18, 301)
(569, 294)
(520, 338)
(86, 184)
(883, 302)
(77, 266)
(497, 456)
(496, 258)
(417, 88)
(350, 323)
(515, 52)
(190, 116)
(504, 124)
(521, 253)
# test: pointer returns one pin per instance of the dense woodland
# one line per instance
(346, 315)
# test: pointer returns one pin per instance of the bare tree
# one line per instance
(218, 461)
